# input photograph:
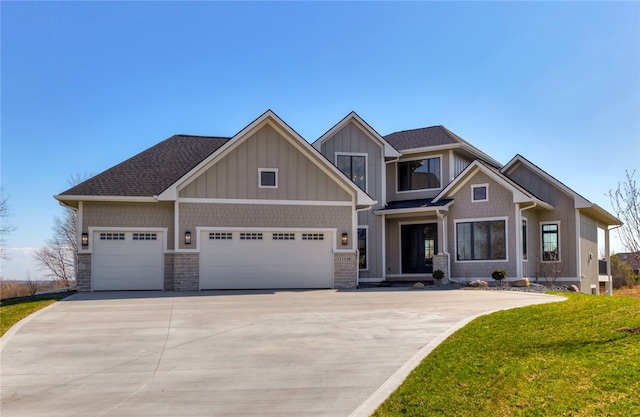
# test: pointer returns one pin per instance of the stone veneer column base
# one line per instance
(441, 262)
(345, 270)
(186, 271)
(83, 272)
(168, 271)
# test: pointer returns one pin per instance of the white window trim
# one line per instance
(476, 220)
(473, 187)
(559, 242)
(260, 171)
(366, 165)
(366, 267)
(419, 159)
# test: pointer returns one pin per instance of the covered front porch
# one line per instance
(414, 242)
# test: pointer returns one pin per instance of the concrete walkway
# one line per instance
(286, 353)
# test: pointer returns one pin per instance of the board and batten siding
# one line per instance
(499, 205)
(353, 139)
(564, 212)
(193, 215)
(130, 215)
(235, 176)
(589, 253)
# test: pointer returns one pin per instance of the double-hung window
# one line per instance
(550, 242)
(422, 174)
(354, 166)
(481, 240)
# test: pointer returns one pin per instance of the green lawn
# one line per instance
(560, 359)
(12, 312)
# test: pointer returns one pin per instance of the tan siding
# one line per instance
(353, 139)
(564, 212)
(530, 267)
(117, 215)
(194, 215)
(589, 246)
(500, 204)
(236, 175)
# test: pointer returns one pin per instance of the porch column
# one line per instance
(607, 257)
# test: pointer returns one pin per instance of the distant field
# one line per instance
(628, 292)
(13, 289)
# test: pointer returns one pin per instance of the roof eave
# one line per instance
(389, 151)
(63, 198)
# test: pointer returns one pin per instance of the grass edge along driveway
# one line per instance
(576, 358)
(12, 311)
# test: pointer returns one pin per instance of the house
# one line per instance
(267, 209)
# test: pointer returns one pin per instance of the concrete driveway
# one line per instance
(285, 353)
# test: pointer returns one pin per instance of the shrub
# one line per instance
(438, 274)
(499, 274)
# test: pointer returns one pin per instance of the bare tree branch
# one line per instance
(59, 257)
(626, 203)
(5, 227)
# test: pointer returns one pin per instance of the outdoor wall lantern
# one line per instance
(85, 239)
(345, 239)
(187, 237)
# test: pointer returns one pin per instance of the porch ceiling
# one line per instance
(422, 205)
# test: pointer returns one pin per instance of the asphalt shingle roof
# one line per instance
(423, 137)
(152, 171)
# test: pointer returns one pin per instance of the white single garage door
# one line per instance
(266, 259)
(127, 261)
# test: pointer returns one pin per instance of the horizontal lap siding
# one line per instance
(194, 215)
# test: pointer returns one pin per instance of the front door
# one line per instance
(419, 242)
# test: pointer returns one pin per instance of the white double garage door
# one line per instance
(229, 259)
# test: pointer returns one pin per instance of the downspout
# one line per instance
(519, 227)
(446, 241)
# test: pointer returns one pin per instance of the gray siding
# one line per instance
(194, 215)
(589, 253)
(500, 204)
(564, 212)
(530, 265)
(236, 175)
(352, 138)
(117, 215)
(374, 255)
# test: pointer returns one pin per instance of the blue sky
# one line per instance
(86, 85)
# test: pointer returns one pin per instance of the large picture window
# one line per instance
(550, 242)
(482, 240)
(354, 167)
(422, 174)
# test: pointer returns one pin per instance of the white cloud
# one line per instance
(20, 262)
